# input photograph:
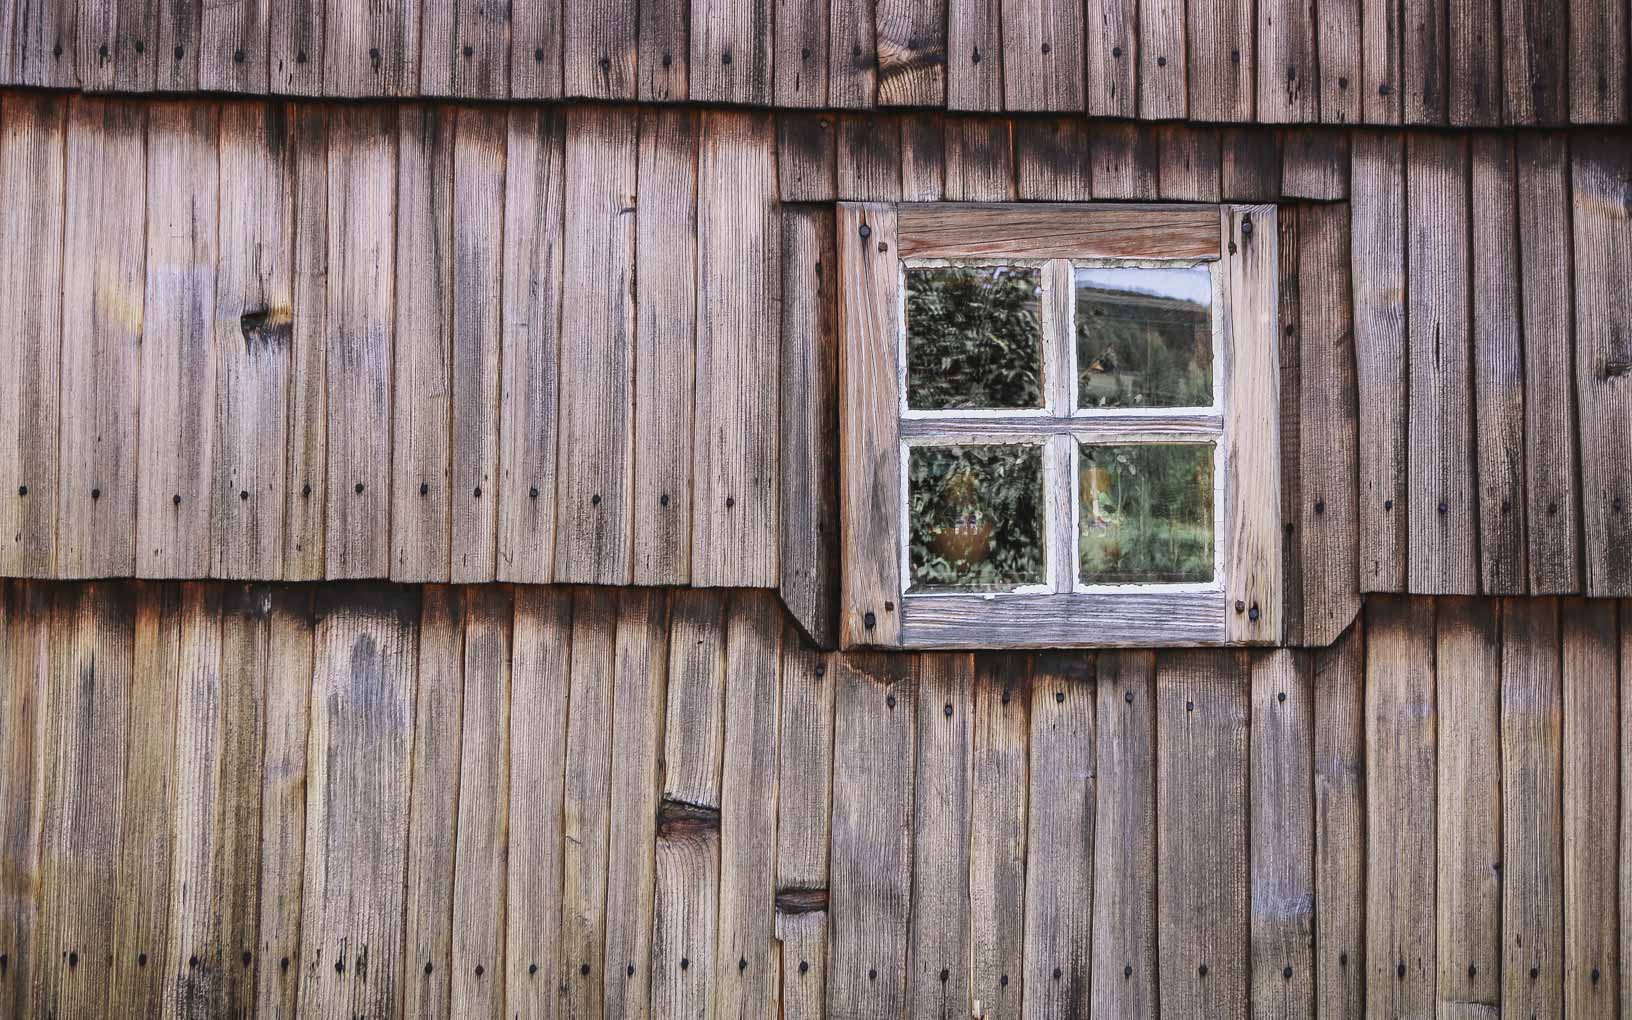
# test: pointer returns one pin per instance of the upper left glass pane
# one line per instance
(974, 338)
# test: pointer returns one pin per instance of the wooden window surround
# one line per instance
(1240, 604)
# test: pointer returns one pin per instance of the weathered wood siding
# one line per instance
(365, 799)
(1481, 62)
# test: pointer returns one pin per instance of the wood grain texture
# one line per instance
(1474, 47)
(852, 54)
(869, 157)
(1591, 831)
(536, 36)
(1222, 62)
(800, 36)
(1282, 835)
(1340, 825)
(999, 811)
(1382, 26)
(1289, 80)
(1426, 64)
(372, 50)
(233, 46)
(1188, 164)
(1042, 55)
(1339, 42)
(939, 932)
(1111, 44)
(731, 51)
(1597, 62)
(465, 49)
(1125, 964)
(295, 47)
(806, 157)
(1163, 93)
(911, 42)
(979, 163)
(1535, 82)
(1049, 163)
(923, 158)
(939, 230)
(974, 55)
(1124, 162)
(306, 506)
(1289, 297)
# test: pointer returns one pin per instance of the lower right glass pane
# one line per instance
(1146, 513)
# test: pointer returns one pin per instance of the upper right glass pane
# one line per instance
(1144, 337)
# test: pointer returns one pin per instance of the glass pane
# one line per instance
(976, 517)
(974, 338)
(1144, 337)
(1146, 513)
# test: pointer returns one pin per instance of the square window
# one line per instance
(975, 517)
(974, 337)
(1144, 337)
(1145, 513)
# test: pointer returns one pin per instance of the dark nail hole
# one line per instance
(631, 970)
(685, 963)
(742, 965)
(1057, 973)
(804, 965)
(305, 490)
(945, 974)
(595, 500)
(469, 52)
(663, 500)
(359, 488)
(479, 970)
(1116, 51)
(1286, 973)
(1059, 697)
(583, 969)
(1127, 696)
(427, 966)
(948, 711)
(538, 55)
(243, 494)
(477, 492)
(1202, 970)
(141, 959)
(424, 488)
(532, 968)
(237, 56)
(872, 975)
(865, 231)
(175, 500)
(22, 490)
(730, 501)
(869, 620)
(96, 493)
(1161, 61)
(1281, 696)
(889, 701)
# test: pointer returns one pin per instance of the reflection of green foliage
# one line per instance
(971, 486)
(973, 338)
(1146, 513)
(1140, 350)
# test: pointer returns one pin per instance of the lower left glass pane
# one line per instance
(975, 517)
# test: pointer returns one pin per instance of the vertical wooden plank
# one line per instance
(1051, 160)
(1551, 469)
(102, 291)
(695, 729)
(593, 509)
(1288, 80)
(998, 813)
(138, 975)
(868, 425)
(540, 656)
(42, 44)
(731, 52)
(234, 46)
(1291, 367)
(1124, 866)
(1377, 211)
(1532, 809)
(665, 346)
(804, 800)
(1125, 161)
(1188, 165)
(357, 800)
(910, 36)
(939, 934)
(295, 47)
(1283, 835)
(435, 802)
(85, 760)
(806, 157)
(1474, 41)
(1500, 393)
(306, 496)
(1316, 164)
(1591, 831)
(1597, 63)
(31, 150)
(801, 61)
(1202, 909)
(533, 258)
(1250, 167)
(665, 49)
(174, 437)
(1163, 84)
(25, 694)
(253, 336)
(1060, 837)
(979, 160)
(1601, 181)
(1339, 42)
(1535, 88)
(1443, 497)
(736, 508)
(1380, 55)
(1625, 774)
(1468, 879)
(371, 50)
(1340, 826)
(974, 55)
(535, 51)
(246, 659)
(360, 338)
(1111, 41)
(586, 807)
(598, 48)
(871, 881)
(923, 158)
(852, 54)
(465, 50)
(809, 452)
(1401, 745)
(283, 799)
(1042, 55)
(869, 157)
(640, 686)
(1222, 62)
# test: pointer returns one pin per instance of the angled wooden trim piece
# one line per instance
(1048, 231)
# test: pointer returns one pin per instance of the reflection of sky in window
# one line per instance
(1191, 283)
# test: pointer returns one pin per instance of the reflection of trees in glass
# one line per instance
(973, 337)
(1146, 513)
(1140, 349)
(975, 517)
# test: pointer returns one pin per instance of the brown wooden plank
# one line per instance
(640, 683)
(804, 808)
(283, 799)
(1601, 179)
(979, 160)
(585, 808)
(1060, 836)
(998, 813)
(422, 356)
(974, 55)
(1163, 93)
(868, 424)
(1188, 165)
(295, 47)
(1111, 44)
(1625, 775)
(806, 156)
(1250, 165)
(1383, 87)
(939, 933)
(593, 509)
(106, 56)
(1051, 160)
(1338, 41)
(41, 44)
(138, 976)
(736, 506)
(731, 52)
(1316, 165)
(465, 49)
(665, 337)
(1042, 55)
(540, 655)
(102, 291)
(533, 255)
(1400, 749)
(1125, 160)
(433, 822)
(910, 36)
(234, 46)
(1597, 62)
(175, 431)
(869, 157)
(1500, 394)
(371, 50)
(1290, 298)
(745, 968)
(1124, 868)
(852, 54)
(253, 335)
(1222, 60)
(1591, 830)
(809, 453)
(663, 65)
(1381, 365)
(31, 150)
(694, 733)
(359, 335)
(25, 693)
(1474, 40)
(1443, 511)
(1469, 805)
(685, 911)
(923, 158)
(535, 50)
(1288, 78)
(305, 507)
(1283, 835)
(1068, 231)
(1535, 86)
(85, 762)
(1202, 711)
(871, 883)
(1532, 808)
(1340, 819)
(801, 62)
(357, 800)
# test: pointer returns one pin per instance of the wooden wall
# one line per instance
(1476, 62)
(359, 799)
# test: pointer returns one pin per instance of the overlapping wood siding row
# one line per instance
(366, 799)
(1488, 62)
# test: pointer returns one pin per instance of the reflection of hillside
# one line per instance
(1137, 348)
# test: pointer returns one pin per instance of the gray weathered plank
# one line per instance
(801, 61)
(295, 47)
(1535, 84)
(1597, 62)
(939, 933)
(535, 50)
(1163, 92)
(1111, 30)
(1474, 42)
(25, 691)
(465, 50)
(1338, 39)
(1340, 820)
(372, 49)
(1124, 981)
(1222, 60)
(664, 62)
(1289, 81)
(1051, 161)
(910, 36)
(1591, 821)
(586, 804)
(731, 52)
(806, 157)
(1125, 161)
(869, 157)
(974, 55)
(852, 54)
(1042, 55)
(979, 160)
(998, 812)
(305, 491)
(1283, 835)
(234, 46)
(1383, 85)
